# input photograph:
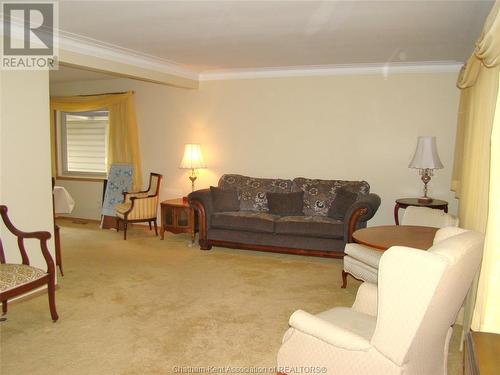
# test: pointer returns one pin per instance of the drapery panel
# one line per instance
(476, 179)
(123, 143)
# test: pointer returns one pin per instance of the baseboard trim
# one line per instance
(78, 220)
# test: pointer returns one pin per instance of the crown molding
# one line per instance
(327, 70)
(66, 41)
(87, 46)
(92, 47)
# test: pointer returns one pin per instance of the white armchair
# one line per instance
(402, 327)
(361, 262)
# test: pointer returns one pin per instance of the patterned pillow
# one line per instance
(319, 194)
(252, 191)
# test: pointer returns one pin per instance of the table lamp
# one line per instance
(192, 159)
(426, 159)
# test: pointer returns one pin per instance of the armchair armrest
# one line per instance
(366, 299)
(327, 332)
(201, 201)
(359, 213)
(127, 196)
(42, 236)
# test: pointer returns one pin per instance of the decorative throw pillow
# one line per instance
(286, 204)
(341, 203)
(224, 200)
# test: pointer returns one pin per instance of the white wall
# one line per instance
(25, 172)
(87, 196)
(332, 127)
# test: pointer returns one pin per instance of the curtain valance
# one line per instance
(486, 53)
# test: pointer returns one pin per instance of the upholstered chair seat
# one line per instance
(402, 326)
(361, 261)
(122, 208)
(15, 275)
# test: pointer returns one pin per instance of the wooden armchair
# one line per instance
(141, 206)
(17, 279)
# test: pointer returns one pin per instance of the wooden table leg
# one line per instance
(192, 225)
(396, 213)
(163, 213)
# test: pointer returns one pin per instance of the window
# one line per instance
(83, 143)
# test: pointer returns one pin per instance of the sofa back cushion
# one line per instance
(252, 191)
(286, 204)
(319, 194)
(224, 200)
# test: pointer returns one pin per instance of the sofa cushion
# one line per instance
(252, 191)
(251, 221)
(286, 204)
(224, 200)
(341, 203)
(319, 194)
(310, 226)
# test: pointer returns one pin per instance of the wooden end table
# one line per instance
(177, 217)
(482, 353)
(406, 202)
(383, 237)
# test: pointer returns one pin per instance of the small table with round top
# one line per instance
(406, 202)
(383, 237)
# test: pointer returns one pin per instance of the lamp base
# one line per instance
(425, 200)
(193, 178)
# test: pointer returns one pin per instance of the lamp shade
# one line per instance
(193, 158)
(426, 155)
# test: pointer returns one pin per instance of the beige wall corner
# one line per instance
(25, 165)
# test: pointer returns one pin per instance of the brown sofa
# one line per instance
(311, 232)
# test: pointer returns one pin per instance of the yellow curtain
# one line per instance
(475, 174)
(487, 310)
(123, 146)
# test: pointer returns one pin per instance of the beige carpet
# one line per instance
(145, 306)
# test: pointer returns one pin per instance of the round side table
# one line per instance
(406, 202)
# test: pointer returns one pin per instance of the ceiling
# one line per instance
(223, 35)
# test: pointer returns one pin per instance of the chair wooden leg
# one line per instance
(57, 238)
(4, 307)
(149, 225)
(344, 279)
(125, 225)
(52, 300)
(117, 224)
(156, 227)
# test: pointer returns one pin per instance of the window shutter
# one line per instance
(86, 145)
